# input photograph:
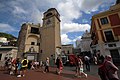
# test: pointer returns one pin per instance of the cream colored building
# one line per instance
(67, 49)
(3, 39)
(36, 42)
(84, 43)
(105, 31)
(7, 52)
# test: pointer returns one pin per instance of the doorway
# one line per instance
(115, 56)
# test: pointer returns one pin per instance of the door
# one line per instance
(115, 56)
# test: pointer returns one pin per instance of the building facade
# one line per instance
(105, 32)
(7, 52)
(37, 42)
(84, 43)
(3, 39)
(67, 49)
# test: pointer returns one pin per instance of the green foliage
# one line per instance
(8, 36)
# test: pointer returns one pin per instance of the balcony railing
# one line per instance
(112, 45)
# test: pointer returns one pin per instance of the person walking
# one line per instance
(60, 66)
(77, 66)
(24, 66)
(81, 73)
(111, 69)
(47, 63)
(101, 59)
(16, 62)
(19, 65)
(95, 60)
(87, 63)
(57, 64)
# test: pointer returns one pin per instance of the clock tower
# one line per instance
(50, 34)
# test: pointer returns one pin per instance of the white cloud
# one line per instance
(18, 10)
(74, 27)
(89, 6)
(68, 11)
(32, 11)
(77, 38)
(65, 39)
(6, 28)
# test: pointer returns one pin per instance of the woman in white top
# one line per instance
(81, 72)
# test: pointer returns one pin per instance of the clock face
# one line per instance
(48, 22)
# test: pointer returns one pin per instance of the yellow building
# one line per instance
(37, 42)
(105, 31)
(67, 49)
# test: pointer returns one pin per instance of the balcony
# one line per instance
(112, 45)
(110, 41)
(33, 34)
(31, 48)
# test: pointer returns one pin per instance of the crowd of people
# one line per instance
(18, 67)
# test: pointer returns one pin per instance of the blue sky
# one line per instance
(75, 15)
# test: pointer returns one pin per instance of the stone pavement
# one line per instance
(39, 75)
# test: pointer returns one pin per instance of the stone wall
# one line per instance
(21, 40)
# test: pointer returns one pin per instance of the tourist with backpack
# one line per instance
(24, 66)
(108, 71)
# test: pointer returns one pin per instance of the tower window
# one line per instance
(32, 43)
(49, 14)
(38, 44)
(34, 30)
(104, 20)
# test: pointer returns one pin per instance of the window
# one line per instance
(34, 30)
(48, 21)
(32, 49)
(0, 56)
(115, 56)
(109, 36)
(32, 43)
(104, 20)
(112, 45)
(38, 44)
(49, 14)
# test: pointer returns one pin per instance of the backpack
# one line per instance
(24, 62)
(102, 72)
